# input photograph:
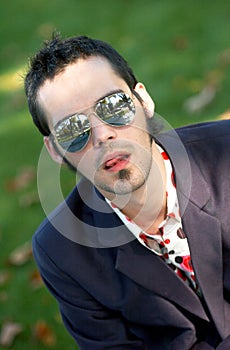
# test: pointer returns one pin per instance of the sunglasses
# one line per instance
(73, 132)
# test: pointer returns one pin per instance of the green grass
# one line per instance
(175, 48)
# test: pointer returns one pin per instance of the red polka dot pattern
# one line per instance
(171, 244)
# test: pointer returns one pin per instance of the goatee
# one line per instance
(124, 174)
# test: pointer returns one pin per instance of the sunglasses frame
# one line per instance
(104, 102)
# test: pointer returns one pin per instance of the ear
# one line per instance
(148, 103)
(53, 151)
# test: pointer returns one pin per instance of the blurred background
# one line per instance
(181, 51)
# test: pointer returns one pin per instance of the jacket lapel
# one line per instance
(202, 230)
(148, 270)
(204, 237)
(111, 232)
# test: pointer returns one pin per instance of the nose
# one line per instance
(101, 132)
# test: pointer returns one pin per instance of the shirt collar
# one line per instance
(173, 214)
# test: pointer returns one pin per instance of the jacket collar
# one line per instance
(190, 183)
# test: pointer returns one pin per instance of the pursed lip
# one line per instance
(111, 161)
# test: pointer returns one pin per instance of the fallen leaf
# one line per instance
(36, 280)
(22, 180)
(21, 255)
(44, 333)
(8, 333)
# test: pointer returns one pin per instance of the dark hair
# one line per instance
(55, 56)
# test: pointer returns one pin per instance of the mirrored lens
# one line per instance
(117, 109)
(73, 132)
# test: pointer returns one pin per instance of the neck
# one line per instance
(147, 205)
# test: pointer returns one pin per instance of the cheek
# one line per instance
(142, 137)
(140, 129)
(83, 162)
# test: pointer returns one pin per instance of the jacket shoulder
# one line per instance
(205, 131)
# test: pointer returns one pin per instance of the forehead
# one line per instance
(79, 86)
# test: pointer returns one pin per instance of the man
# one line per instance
(137, 256)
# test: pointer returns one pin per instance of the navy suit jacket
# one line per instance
(123, 296)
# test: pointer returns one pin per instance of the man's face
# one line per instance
(116, 159)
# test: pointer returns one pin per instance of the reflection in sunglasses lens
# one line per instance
(73, 132)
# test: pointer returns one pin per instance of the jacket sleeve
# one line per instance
(225, 345)
(91, 325)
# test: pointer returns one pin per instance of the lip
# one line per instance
(116, 161)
